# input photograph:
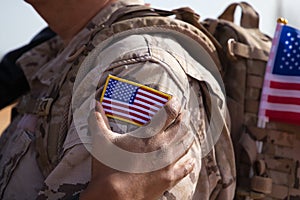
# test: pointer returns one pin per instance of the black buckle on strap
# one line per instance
(43, 106)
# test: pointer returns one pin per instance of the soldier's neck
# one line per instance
(67, 18)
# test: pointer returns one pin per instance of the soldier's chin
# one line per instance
(34, 2)
(29, 1)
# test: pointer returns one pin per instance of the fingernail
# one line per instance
(98, 109)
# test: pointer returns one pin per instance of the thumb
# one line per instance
(97, 121)
(99, 110)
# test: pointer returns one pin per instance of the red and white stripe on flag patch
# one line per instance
(131, 102)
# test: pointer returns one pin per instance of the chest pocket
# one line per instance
(12, 152)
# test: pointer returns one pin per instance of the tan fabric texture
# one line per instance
(156, 59)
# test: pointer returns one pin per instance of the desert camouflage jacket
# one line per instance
(156, 59)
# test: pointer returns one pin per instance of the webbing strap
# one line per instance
(129, 12)
(284, 192)
(239, 49)
(249, 146)
(261, 184)
(251, 106)
(249, 195)
(42, 155)
(258, 133)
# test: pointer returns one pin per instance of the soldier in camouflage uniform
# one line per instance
(45, 155)
(11, 76)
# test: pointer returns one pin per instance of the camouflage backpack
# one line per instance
(271, 171)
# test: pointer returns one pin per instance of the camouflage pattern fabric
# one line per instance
(156, 60)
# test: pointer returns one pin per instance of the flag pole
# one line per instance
(262, 119)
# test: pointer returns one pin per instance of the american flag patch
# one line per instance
(131, 102)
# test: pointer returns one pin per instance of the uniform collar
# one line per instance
(105, 13)
(63, 53)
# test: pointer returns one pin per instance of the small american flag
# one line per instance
(280, 100)
(131, 102)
